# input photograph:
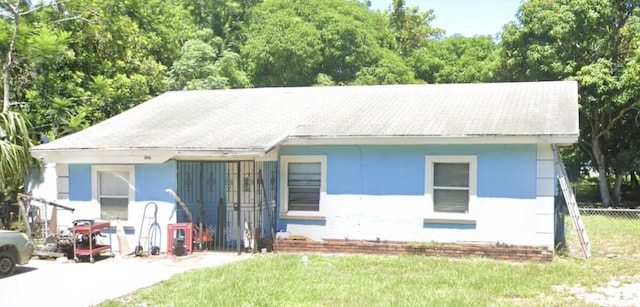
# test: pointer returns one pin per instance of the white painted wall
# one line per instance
(545, 191)
(400, 218)
(42, 182)
(46, 182)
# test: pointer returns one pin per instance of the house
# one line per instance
(468, 163)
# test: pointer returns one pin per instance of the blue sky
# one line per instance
(466, 17)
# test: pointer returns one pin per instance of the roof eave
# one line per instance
(560, 139)
(228, 154)
(143, 155)
(95, 156)
(161, 155)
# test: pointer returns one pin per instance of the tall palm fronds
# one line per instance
(14, 146)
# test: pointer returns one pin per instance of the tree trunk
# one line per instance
(634, 179)
(6, 68)
(602, 173)
(617, 186)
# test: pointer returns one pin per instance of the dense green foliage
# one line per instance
(595, 42)
(457, 59)
(291, 43)
(67, 65)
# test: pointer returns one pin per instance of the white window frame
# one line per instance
(284, 188)
(95, 184)
(429, 184)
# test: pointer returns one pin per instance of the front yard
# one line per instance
(356, 280)
(611, 277)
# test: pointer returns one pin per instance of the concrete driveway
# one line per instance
(49, 283)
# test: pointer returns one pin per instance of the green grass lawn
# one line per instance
(611, 234)
(356, 280)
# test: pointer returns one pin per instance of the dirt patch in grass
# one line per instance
(624, 291)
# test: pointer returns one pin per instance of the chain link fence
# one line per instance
(611, 232)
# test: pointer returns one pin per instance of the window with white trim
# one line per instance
(113, 190)
(451, 183)
(302, 183)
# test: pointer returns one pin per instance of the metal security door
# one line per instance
(230, 200)
(201, 186)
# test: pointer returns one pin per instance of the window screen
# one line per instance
(303, 184)
(451, 187)
(113, 195)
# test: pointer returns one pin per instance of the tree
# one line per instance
(119, 54)
(390, 69)
(15, 138)
(226, 18)
(291, 43)
(624, 150)
(13, 14)
(69, 64)
(592, 41)
(457, 59)
(410, 28)
(206, 66)
(15, 142)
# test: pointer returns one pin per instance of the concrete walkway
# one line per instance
(49, 283)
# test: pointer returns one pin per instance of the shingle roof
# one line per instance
(254, 119)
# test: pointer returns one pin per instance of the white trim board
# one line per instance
(420, 140)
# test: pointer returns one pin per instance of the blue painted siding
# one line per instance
(349, 162)
(507, 171)
(80, 182)
(392, 171)
(153, 179)
(283, 224)
(371, 170)
(449, 226)
(270, 179)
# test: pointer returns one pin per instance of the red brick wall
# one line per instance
(500, 252)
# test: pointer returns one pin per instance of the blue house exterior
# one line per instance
(421, 163)
(382, 192)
